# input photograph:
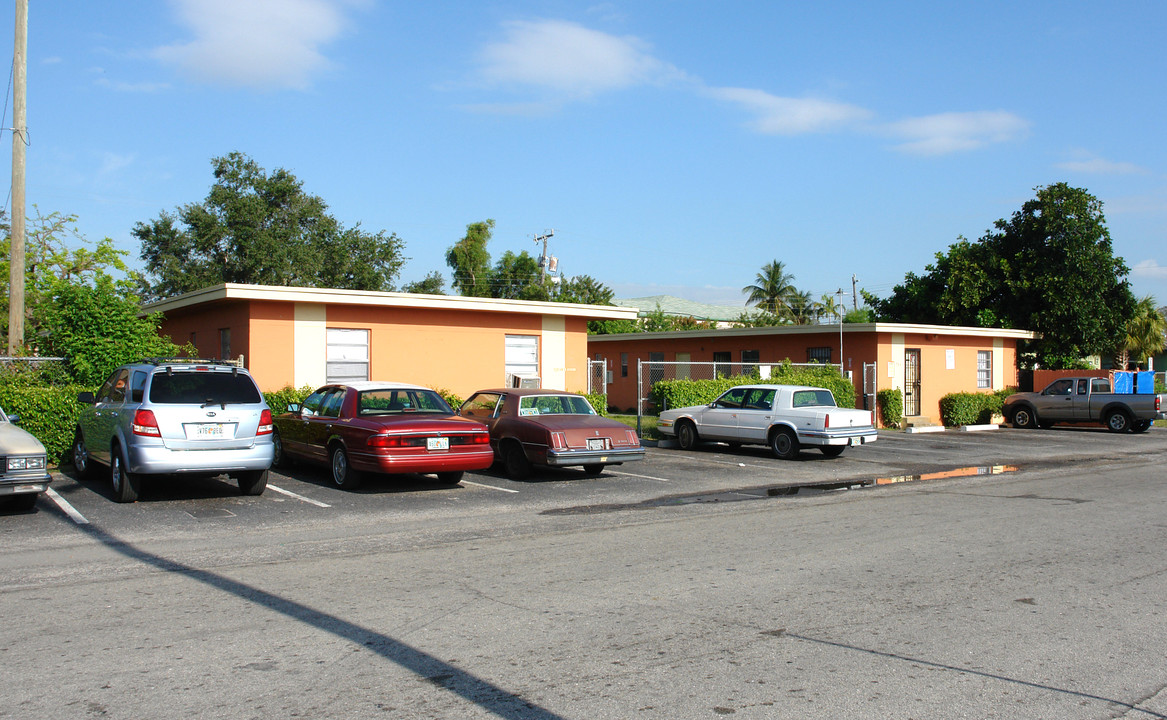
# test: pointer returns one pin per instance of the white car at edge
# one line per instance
(785, 417)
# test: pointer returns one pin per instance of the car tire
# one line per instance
(518, 467)
(833, 451)
(1142, 426)
(451, 478)
(1024, 418)
(687, 436)
(1117, 421)
(784, 444)
(126, 485)
(593, 469)
(82, 462)
(278, 458)
(252, 483)
(343, 474)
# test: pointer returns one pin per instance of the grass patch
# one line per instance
(647, 425)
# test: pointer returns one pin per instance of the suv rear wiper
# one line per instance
(210, 401)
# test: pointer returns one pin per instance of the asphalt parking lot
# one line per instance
(1004, 573)
(305, 494)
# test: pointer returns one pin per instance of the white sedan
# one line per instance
(785, 417)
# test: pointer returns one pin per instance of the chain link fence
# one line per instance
(40, 370)
(650, 372)
(597, 377)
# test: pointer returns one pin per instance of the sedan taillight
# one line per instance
(146, 424)
(265, 423)
(558, 440)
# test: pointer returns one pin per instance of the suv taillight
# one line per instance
(146, 424)
(265, 423)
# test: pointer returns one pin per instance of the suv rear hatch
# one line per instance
(205, 409)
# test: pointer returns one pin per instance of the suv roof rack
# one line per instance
(182, 361)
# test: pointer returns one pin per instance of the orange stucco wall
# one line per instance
(456, 350)
(859, 347)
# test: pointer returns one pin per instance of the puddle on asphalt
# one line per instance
(771, 491)
(959, 472)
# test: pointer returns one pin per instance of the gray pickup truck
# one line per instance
(1084, 399)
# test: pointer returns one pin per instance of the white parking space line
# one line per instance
(291, 494)
(646, 477)
(66, 507)
(489, 487)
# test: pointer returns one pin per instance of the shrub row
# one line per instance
(972, 408)
(891, 407)
(49, 413)
(684, 392)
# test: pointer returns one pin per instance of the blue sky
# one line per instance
(674, 147)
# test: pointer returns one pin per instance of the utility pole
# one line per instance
(839, 292)
(854, 294)
(544, 260)
(19, 140)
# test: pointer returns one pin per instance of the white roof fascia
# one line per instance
(906, 328)
(414, 301)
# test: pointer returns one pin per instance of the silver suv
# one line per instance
(175, 416)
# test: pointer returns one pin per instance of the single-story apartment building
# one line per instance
(926, 362)
(291, 336)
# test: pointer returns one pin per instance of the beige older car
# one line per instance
(25, 472)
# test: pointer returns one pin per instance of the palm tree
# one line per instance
(801, 307)
(829, 306)
(772, 288)
(1146, 333)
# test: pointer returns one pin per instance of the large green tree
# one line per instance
(470, 261)
(1050, 268)
(260, 228)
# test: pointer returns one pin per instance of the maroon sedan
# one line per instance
(550, 428)
(379, 427)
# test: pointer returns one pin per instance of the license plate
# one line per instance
(209, 430)
(597, 444)
(440, 443)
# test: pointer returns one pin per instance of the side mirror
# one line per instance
(86, 398)
(14, 419)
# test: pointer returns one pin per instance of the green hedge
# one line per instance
(972, 408)
(677, 393)
(49, 413)
(891, 407)
(279, 400)
(599, 401)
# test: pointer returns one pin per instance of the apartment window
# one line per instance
(984, 369)
(347, 355)
(224, 343)
(722, 364)
(750, 361)
(522, 356)
(818, 355)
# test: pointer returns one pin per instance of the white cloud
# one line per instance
(1094, 165)
(255, 43)
(1149, 269)
(791, 116)
(955, 132)
(569, 59)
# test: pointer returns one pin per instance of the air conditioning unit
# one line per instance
(523, 381)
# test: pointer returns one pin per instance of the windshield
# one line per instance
(215, 388)
(555, 405)
(391, 401)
